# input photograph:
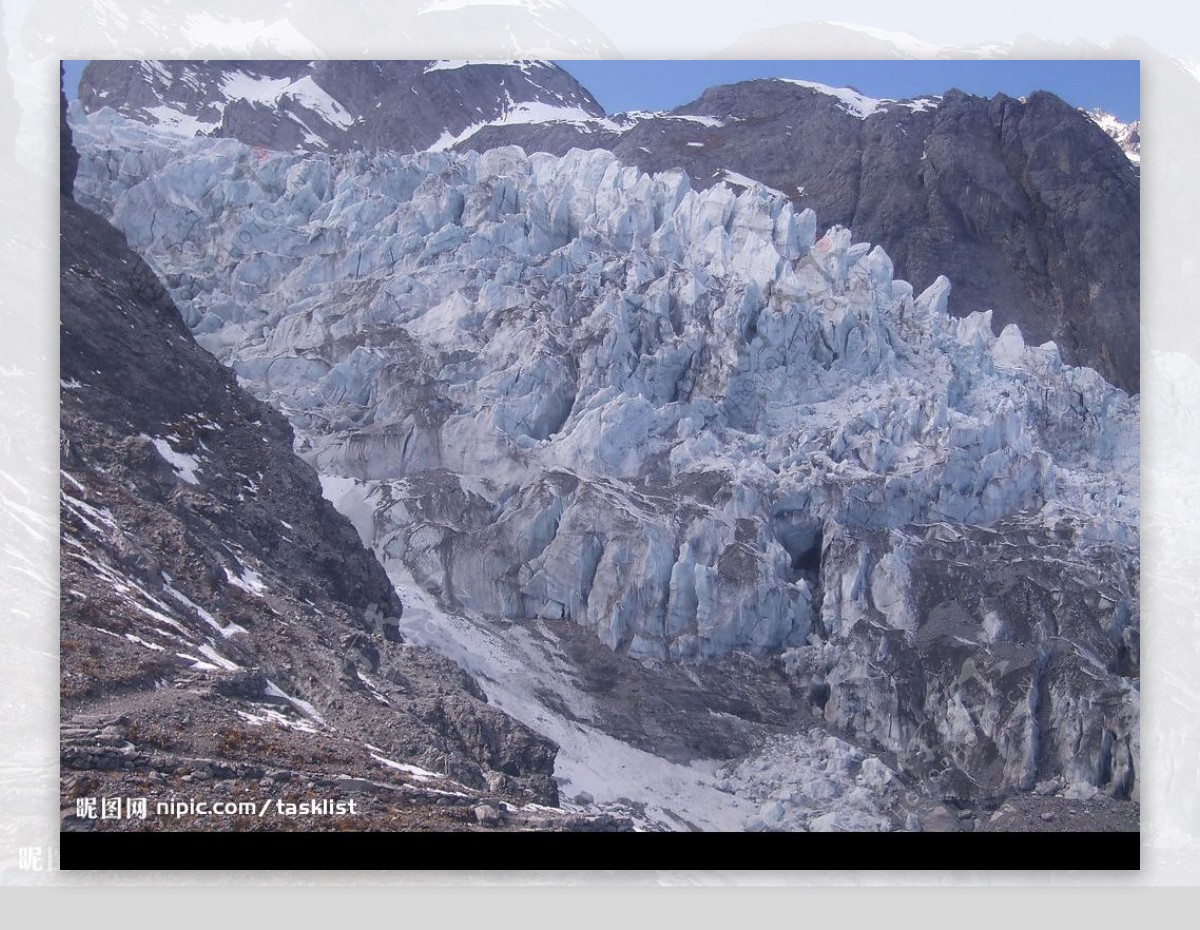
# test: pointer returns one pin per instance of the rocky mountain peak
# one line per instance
(334, 106)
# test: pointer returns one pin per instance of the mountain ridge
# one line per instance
(330, 105)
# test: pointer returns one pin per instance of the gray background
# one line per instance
(39, 32)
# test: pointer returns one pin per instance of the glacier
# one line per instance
(559, 390)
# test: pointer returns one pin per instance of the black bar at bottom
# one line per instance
(1027, 852)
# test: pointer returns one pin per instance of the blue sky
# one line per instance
(73, 71)
(660, 85)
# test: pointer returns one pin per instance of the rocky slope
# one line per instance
(558, 392)
(221, 622)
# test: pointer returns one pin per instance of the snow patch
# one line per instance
(173, 122)
(210, 653)
(526, 67)
(271, 715)
(1126, 135)
(273, 690)
(238, 85)
(199, 664)
(514, 672)
(538, 111)
(921, 104)
(266, 91)
(185, 464)
(447, 140)
(156, 71)
(312, 96)
(851, 100)
(740, 180)
(248, 580)
(226, 631)
(414, 770)
(97, 519)
(861, 105)
(141, 642)
(527, 113)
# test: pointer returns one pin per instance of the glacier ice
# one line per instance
(691, 421)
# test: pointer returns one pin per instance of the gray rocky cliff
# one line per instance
(68, 158)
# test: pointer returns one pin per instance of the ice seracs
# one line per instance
(600, 344)
(559, 388)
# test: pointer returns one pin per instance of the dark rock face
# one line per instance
(211, 596)
(1029, 208)
(330, 105)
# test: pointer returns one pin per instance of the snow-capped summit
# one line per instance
(335, 105)
(1127, 135)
